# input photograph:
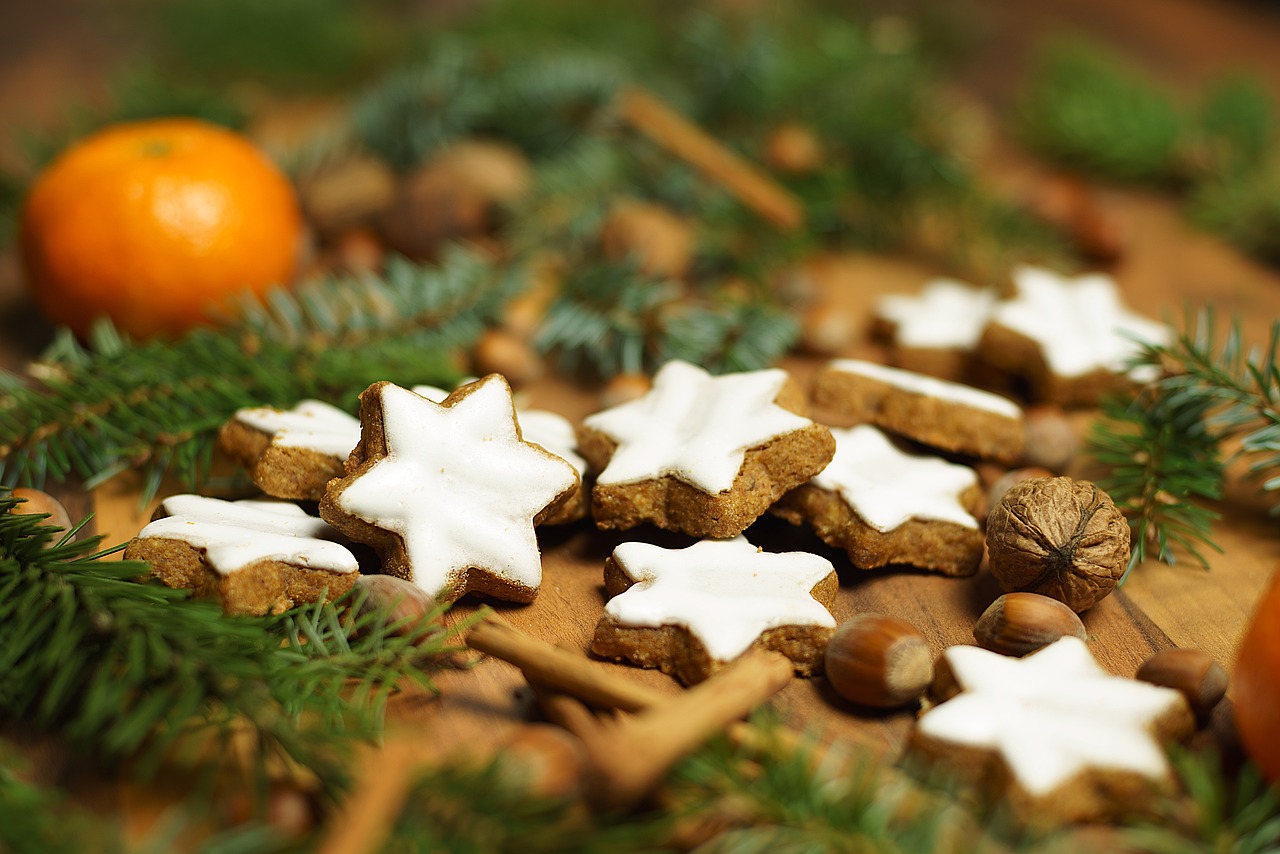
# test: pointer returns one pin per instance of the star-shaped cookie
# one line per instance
(884, 505)
(701, 454)
(690, 611)
(448, 493)
(291, 453)
(1053, 733)
(255, 557)
(1071, 337)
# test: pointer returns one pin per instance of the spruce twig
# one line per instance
(139, 673)
(1165, 448)
(156, 406)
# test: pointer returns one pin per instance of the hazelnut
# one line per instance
(346, 193)
(358, 250)
(501, 352)
(878, 661)
(35, 502)
(405, 602)
(793, 149)
(826, 330)
(1009, 479)
(624, 388)
(654, 237)
(546, 760)
(944, 685)
(1059, 537)
(1050, 440)
(1192, 672)
(1020, 623)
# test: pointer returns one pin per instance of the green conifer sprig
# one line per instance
(1165, 448)
(136, 672)
(156, 406)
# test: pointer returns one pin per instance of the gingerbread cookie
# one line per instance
(554, 433)
(291, 453)
(1053, 735)
(254, 557)
(1071, 338)
(944, 415)
(690, 611)
(935, 332)
(448, 493)
(701, 454)
(886, 506)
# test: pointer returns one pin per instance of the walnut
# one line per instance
(1059, 537)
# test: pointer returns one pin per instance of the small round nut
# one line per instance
(1049, 439)
(657, 239)
(546, 760)
(793, 149)
(1021, 623)
(501, 352)
(624, 388)
(35, 502)
(1010, 479)
(826, 330)
(1192, 672)
(405, 603)
(878, 661)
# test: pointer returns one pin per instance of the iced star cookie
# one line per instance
(690, 611)
(555, 433)
(291, 453)
(1053, 735)
(701, 454)
(448, 493)
(254, 557)
(941, 414)
(884, 505)
(1071, 338)
(936, 331)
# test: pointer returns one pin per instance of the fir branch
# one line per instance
(1161, 459)
(156, 406)
(1235, 812)
(138, 672)
(1085, 108)
(1165, 448)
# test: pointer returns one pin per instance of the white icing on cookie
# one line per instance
(235, 534)
(1052, 714)
(312, 424)
(725, 592)
(1080, 324)
(547, 429)
(459, 486)
(930, 386)
(946, 314)
(887, 487)
(694, 426)
(553, 432)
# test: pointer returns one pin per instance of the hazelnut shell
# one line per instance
(1021, 623)
(878, 661)
(1191, 672)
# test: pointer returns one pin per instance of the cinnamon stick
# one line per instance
(561, 669)
(748, 183)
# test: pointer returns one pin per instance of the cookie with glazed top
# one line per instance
(291, 453)
(448, 493)
(253, 557)
(938, 413)
(886, 506)
(1071, 338)
(554, 433)
(691, 611)
(1053, 735)
(936, 331)
(705, 455)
